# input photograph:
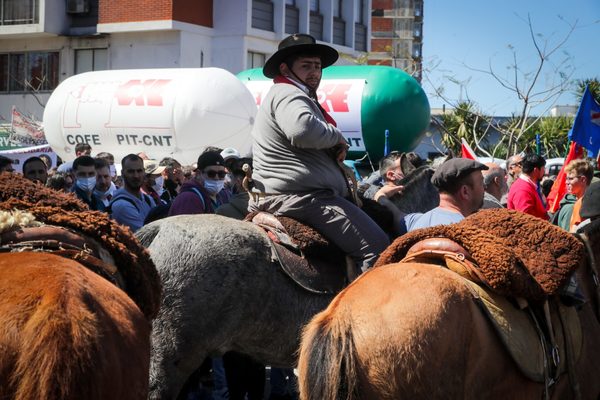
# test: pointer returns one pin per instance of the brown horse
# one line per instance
(77, 293)
(413, 330)
(67, 333)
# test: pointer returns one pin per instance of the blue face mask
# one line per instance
(214, 186)
(87, 184)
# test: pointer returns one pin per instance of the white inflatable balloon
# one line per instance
(162, 112)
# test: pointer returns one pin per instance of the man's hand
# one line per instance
(388, 191)
(341, 150)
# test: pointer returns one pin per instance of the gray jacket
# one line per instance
(291, 139)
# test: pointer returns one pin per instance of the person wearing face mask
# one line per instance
(153, 184)
(105, 188)
(84, 170)
(206, 191)
(172, 178)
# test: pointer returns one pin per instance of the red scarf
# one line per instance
(312, 94)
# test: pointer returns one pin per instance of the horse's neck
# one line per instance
(589, 275)
(419, 194)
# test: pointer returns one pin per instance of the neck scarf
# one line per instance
(310, 92)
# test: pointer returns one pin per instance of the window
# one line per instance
(314, 6)
(358, 11)
(91, 60)
(28, 72)
(315, 21)
(292, 19)
(262, 15)
(255, 60)
(337, 8)
(290, 3)
(416, 52)
(19, 12)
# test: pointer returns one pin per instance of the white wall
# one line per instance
(157, 49)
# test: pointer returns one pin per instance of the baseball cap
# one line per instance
(209, 158)
(453, 170)
(151, 167)
(230, 152)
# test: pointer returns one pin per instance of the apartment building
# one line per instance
(43, 42)
(397, 35)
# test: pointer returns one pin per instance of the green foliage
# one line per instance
(594, 85)
(553, 136)
(462, 123)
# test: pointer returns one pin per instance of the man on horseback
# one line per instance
(297, 149)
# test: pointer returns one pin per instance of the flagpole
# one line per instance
(386, 146)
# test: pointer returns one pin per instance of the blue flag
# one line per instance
(586, 127)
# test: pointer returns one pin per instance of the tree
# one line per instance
(594, 85)
(527, 86)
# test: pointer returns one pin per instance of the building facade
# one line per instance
(397, 35)
(43, 42)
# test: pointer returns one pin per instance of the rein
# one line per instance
(68, 244)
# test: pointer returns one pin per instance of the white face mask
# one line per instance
(158, 185)
(112, 170)
(214, 186)
(87, 184)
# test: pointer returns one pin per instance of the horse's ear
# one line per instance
(405, 165)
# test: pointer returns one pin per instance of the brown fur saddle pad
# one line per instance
(518, 333)
(512, 253)
(309, 259)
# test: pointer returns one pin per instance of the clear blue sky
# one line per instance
(474, 33)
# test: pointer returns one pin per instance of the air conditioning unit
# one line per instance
(78, 6)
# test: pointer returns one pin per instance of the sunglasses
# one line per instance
(213, 174)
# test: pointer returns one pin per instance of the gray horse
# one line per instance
(222, 292)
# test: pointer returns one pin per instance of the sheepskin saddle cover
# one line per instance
(304, 254)
(516, 254)
(63, 210)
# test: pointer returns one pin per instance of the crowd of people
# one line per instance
(298, 172)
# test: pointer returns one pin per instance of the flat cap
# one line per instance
(590, 203)
(454, 169)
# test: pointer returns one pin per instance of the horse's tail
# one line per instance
(328, 364)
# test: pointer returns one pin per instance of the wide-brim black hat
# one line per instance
(299, 43)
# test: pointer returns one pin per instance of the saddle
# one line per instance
(537, 342)
(304, 255)
(65, 243)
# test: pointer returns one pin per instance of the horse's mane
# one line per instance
(419, 194)
(62, 209)
(593, 228)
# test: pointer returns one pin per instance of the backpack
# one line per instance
(146, 198)
(162, 210)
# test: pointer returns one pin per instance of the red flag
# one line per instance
(559, 188)
(467, 151)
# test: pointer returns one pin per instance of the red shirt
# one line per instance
(523, 196)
